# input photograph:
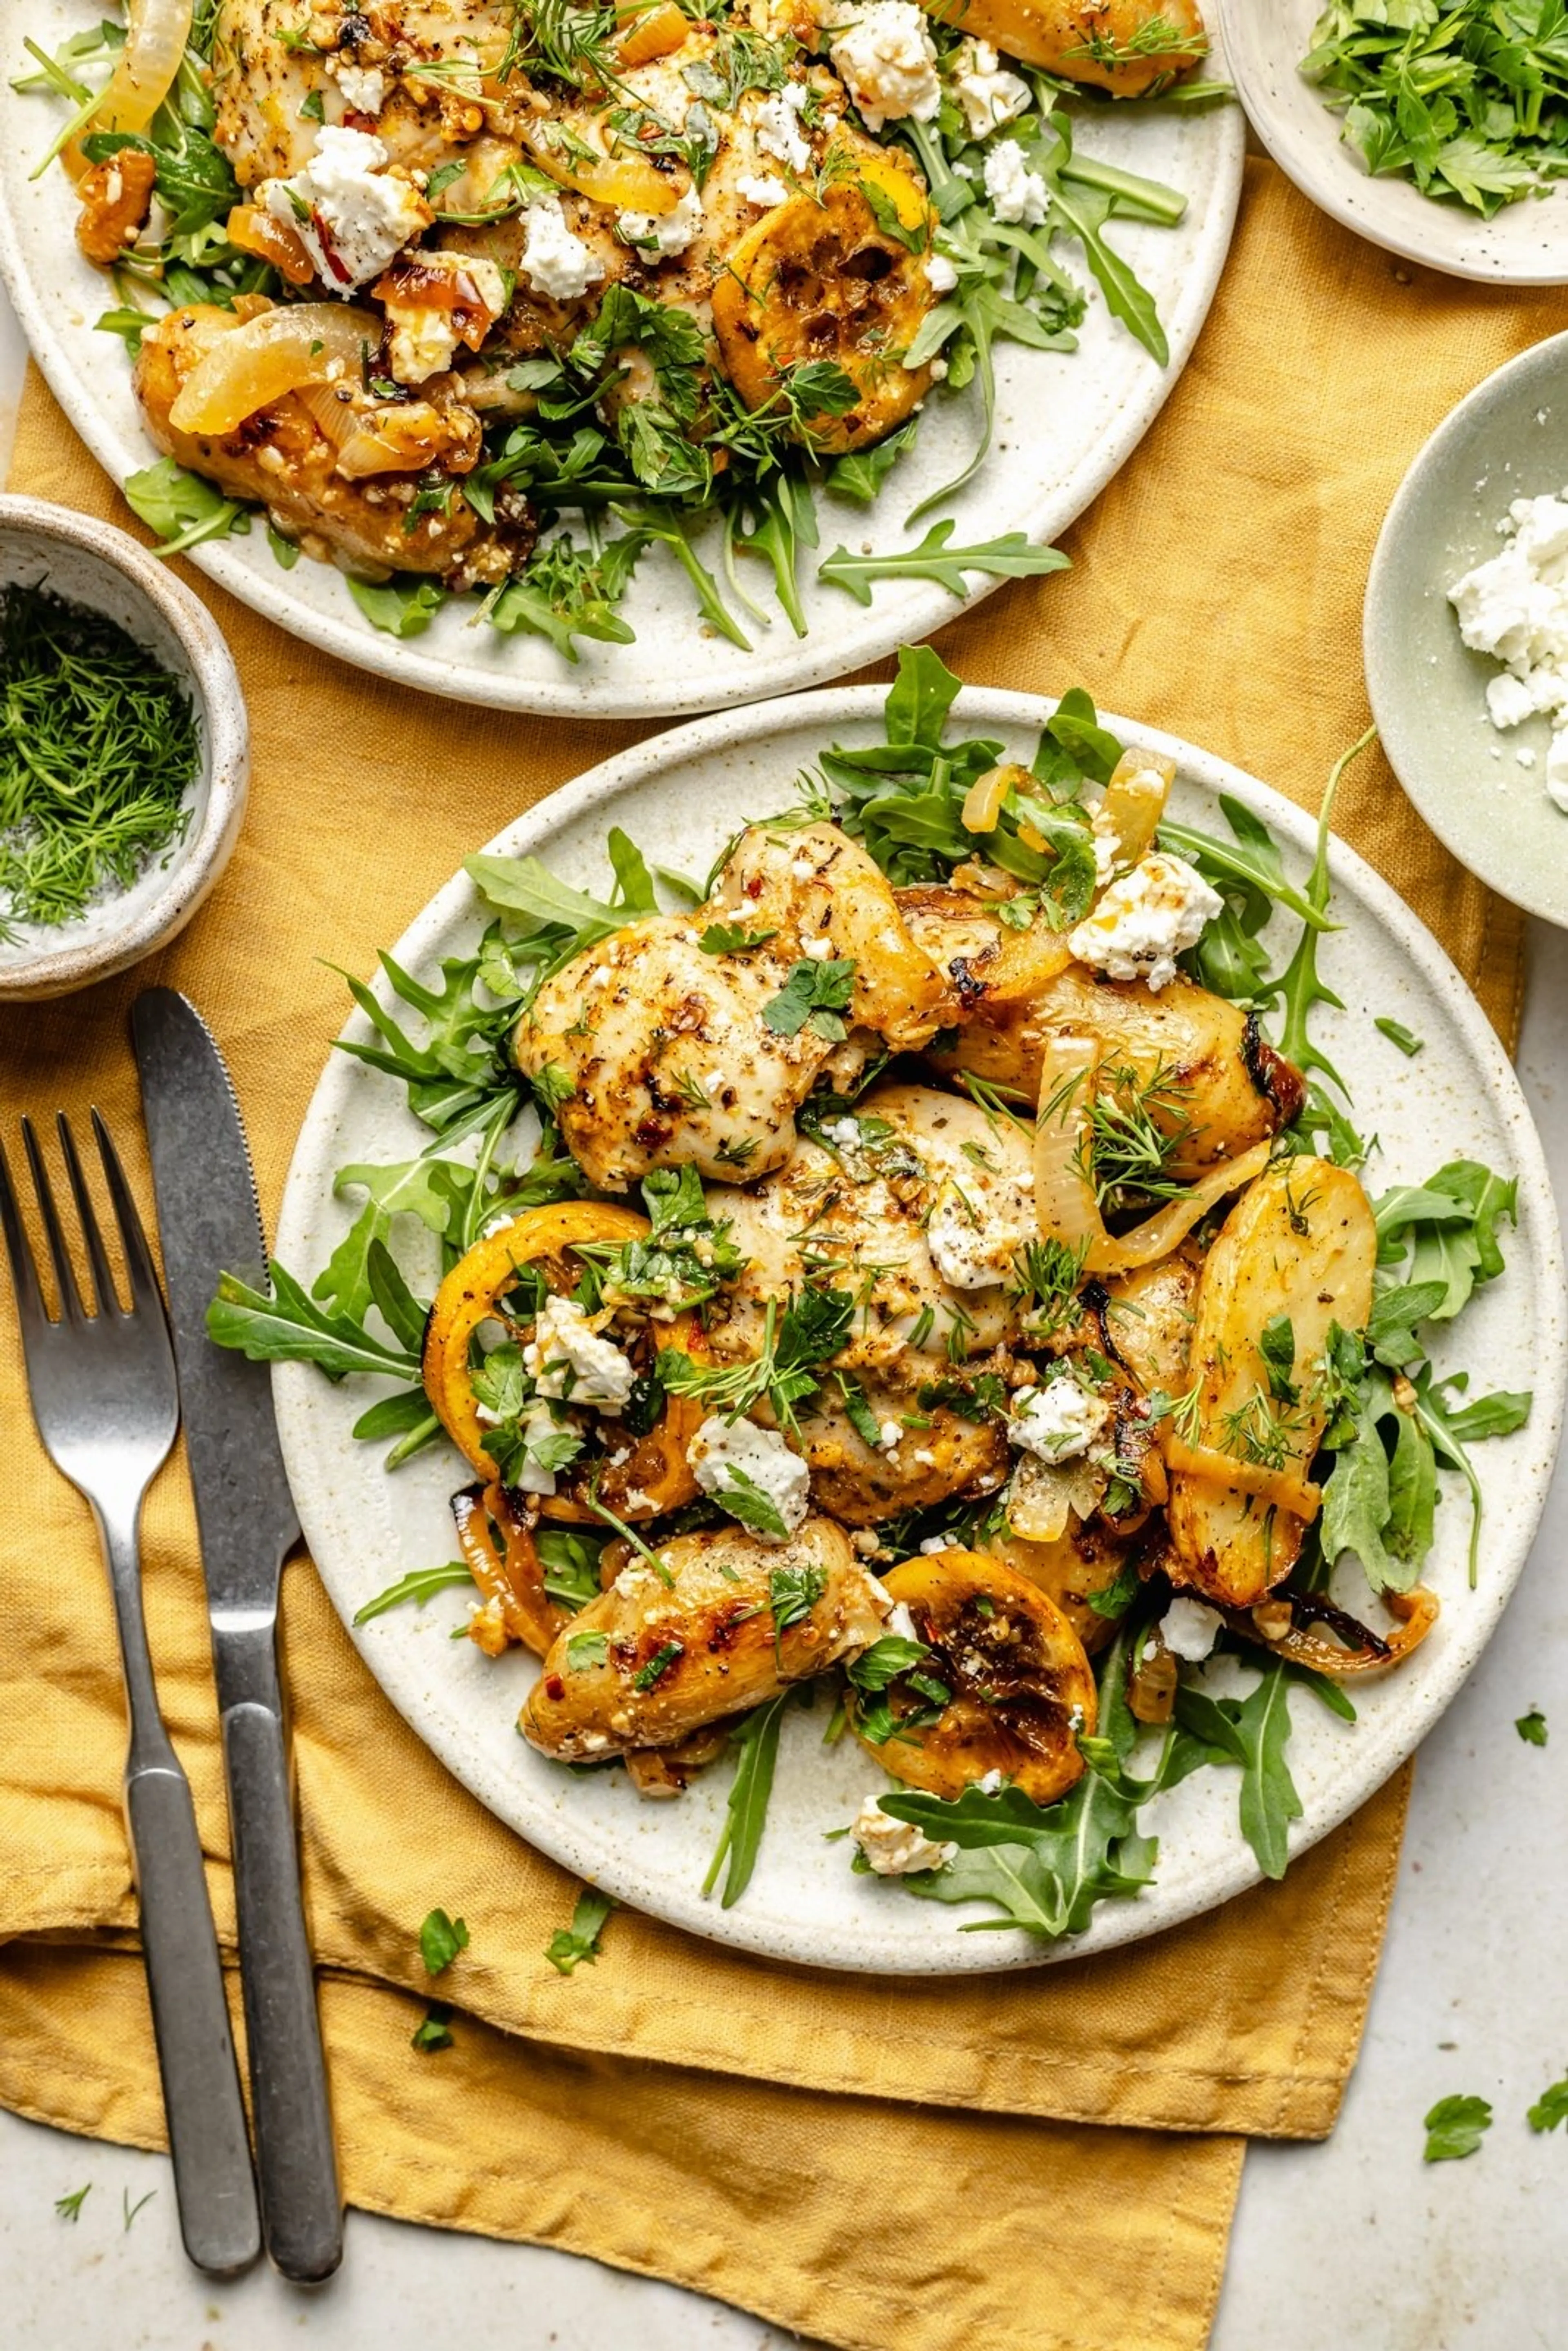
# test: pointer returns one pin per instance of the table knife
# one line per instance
(210, 1224)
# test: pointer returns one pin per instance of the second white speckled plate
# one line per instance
(681, 796)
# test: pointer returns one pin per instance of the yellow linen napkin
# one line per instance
(663, 2108)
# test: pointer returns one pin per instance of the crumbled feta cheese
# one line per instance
(890, 1436)
(819, 949)
(1056, 1422)
(900, 1623)
(763, 189)
(977, 1228)
(1190, 1630)
(844, 1132)
(721, 1454)
(569, 1362)
(1525, 758)
(990, 1784)
(424, 336)
(1016, 193)
(940, 273)
(538, 1422)
(1146, 920)
(887, 61)
(778, 126)
(349, 213)
(987, 94)
(894, 1848)
(364, 88)
(1515, 607)
(554, 261)
(496, 1225)
(933, 1543)
(660, 234)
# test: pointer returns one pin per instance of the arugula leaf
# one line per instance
(182, 507)
(406, 1189)
(403, 606)
(745, 1809)
(1454, 2128)
(920, 698)
(440, 1940)
(571, 1947)
(1252, 1733)
(288, 1328)
(1010, 557)
(860, 474)
(1531, 1727)
(564, 592)
(419, 1586)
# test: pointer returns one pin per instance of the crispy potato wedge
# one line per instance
(1021, 1683)
(1300, 1243)
(1226, 1084)
(820, 279)
(649, 1662)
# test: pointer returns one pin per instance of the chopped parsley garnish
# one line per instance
(431, 2033)
(1531, 1727)
(571, 1946)
(648, 1676)
(816, 995)
(585, 1650)
(732, 938)
(440, 1940)
(1454, 2128)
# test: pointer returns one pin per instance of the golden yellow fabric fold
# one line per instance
(674, 2099)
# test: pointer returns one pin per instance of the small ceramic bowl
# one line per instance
(90, 563)
(1508, 440)
(1525, 243)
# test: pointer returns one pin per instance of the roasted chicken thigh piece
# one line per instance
(662, 1052)
(659, 1656)
(281, 456)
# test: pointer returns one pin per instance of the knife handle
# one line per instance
(213, 2184)
(297, 2168)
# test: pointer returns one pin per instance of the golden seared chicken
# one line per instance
(332, 463)
(1224, 1086)
(663, 1051)
(730, 1623)
(917, 1204)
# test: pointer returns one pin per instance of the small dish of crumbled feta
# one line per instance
(1465, 631)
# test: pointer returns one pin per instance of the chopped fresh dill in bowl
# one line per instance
(99, 750)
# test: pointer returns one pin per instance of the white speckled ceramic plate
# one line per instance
(1525, 244)
(681, 796)
(1066, 422)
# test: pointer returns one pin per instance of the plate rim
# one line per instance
(1308, 168)
(1379, 604)
(1232, 1869)
(923, 607)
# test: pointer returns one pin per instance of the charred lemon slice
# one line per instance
(828, 280)
(1006, 1687)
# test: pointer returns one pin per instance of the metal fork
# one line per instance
(101, 1379)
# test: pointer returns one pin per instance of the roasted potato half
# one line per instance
(817, 278)
(1300, 1245)
(1146, 1319)
(1019, 1683)
(1225, 1087)
(653, 1660)
(1122, 46)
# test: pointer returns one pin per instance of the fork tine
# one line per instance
(71, 1308)
(107, 1296)
(30, 1305)
(144, 1289)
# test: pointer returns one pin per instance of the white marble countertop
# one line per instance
(1350, 2244)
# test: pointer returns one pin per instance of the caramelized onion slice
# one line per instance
(1417, 1611)
(1284, 1487)
(276, 353)
(1164, 1231)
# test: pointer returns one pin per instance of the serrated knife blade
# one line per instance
(210, 1224)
